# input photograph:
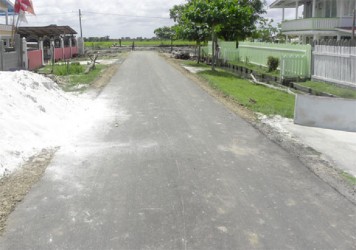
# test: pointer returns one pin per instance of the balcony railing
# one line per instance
(5, 30)
(4, 27)
(311, 24)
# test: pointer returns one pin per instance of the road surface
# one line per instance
(168, 167)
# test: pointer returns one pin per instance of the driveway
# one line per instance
(162, 165)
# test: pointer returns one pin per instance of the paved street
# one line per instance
(168, 167)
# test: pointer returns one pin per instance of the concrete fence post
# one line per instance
(24, 54)
(80, 44)
(53, 51)
(41, 48)
(70, 47)
(19, 51)
(62, 46)
(1, 55)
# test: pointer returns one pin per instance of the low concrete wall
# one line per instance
(9, 61)
(325, 112)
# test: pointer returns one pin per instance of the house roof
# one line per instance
(49, 31)
(285, 4)
(10, 7)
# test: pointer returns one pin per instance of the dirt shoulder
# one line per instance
(310, 158)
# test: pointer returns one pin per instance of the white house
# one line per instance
(318, 19)
(6, 9)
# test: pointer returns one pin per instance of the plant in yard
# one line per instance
(272, 63)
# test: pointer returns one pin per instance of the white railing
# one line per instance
(310, 24)
(4, 27)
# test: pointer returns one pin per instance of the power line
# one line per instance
(116, 14)
(101, 13)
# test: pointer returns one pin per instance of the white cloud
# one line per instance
(120, 18)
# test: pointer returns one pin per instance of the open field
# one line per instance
(138, 43)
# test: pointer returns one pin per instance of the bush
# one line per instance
(272, 63)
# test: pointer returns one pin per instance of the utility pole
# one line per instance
(353, 25)
(80, 23)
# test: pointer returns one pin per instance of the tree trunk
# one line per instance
(199, 47)
(92, 64)
(213, 51)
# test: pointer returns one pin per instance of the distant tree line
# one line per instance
(108, 39)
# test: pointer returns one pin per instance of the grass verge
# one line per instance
(349, 178)
(331, 89)
(255, 97)
(74, 79)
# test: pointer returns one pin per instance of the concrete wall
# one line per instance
(326, 112)
(11, 60)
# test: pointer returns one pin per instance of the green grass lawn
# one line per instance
(331, 89)
(255, 97)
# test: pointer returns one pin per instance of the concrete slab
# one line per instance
(338, 147)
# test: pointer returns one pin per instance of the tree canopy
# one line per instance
(230, 19)
(165, 33)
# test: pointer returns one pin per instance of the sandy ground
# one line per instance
(14, 187)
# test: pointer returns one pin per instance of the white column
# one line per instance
(53, 51)
(7, 17)
(70, 46)
(314, 7)
(296, 9)
(24, 54)
(283, 14)
(62, 46)
(41, 48)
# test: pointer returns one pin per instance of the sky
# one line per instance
(119, 18)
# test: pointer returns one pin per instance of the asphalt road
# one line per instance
(168, 167)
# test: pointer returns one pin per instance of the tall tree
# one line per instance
(226, 18)
(166, 33)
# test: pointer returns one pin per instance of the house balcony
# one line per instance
(311, 24)
(5, 30)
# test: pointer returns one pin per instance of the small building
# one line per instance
(317, 19)
(6, 10)
(60, 36)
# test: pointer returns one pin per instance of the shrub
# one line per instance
(68, 69)
(272, 63)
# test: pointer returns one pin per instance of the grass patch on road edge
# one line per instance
(349, 178)
(343, 92)
(75, 81)
(255, 97)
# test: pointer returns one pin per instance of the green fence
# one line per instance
(295, 60)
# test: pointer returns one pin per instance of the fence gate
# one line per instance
(294, 66)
